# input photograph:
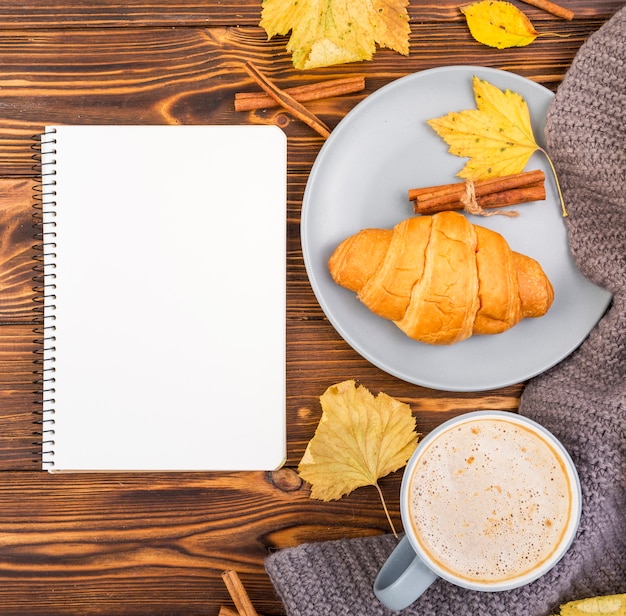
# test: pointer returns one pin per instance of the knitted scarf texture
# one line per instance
(582, 400)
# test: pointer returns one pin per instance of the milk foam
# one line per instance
(490, 500)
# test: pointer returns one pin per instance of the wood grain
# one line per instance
(100, 542)
(57, 14)
(157, 544)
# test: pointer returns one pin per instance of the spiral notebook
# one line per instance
(161, 278)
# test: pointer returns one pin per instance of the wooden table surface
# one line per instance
(158, 543)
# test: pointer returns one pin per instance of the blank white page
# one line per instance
(169, 307)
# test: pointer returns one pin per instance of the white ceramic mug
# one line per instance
(490, 501)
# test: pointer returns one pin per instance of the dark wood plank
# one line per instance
(85, 13)
(156, 544)
(16, 253)
(19, 402)
(19, 440)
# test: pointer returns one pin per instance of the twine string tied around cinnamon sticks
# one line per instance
(471, 205)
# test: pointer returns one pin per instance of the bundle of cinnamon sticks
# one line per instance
(249, 101)
(486, 194)
(291, 99)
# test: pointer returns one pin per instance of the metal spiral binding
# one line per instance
(44, 286)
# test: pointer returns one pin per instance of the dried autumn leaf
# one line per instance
(609, 605)
(330, 32)
(360, 438)
(497, 136)
(499, 24)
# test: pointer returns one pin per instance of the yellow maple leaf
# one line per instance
(360, 438)
(327, 32)
(499, 24)
(497, 137)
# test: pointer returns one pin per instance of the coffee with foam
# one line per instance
(491, 501)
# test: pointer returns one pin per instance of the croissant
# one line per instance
(441, 279)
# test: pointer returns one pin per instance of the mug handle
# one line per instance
(403, 577)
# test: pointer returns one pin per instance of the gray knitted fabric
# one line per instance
(582, 400)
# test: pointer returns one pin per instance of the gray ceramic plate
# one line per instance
(360, 179)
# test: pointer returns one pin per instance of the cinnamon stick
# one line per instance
(483, 187)
(286, 101)
(515, 196)
(249, 101)
(491, 192)
(552, 8)
(238, 593)
(226, 611)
